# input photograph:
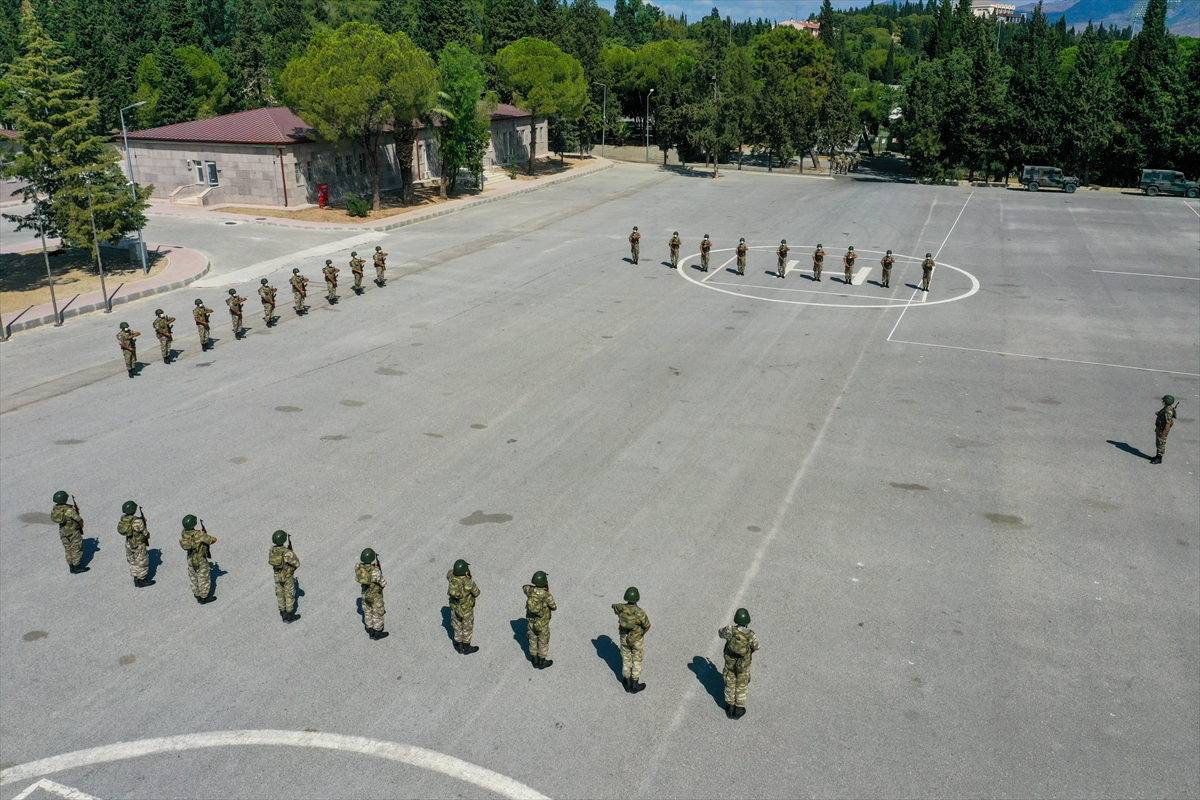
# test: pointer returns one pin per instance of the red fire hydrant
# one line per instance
(322, 194)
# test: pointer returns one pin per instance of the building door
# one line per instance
(200, 173)
(211, 167)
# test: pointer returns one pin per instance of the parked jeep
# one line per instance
(1035, 178)
(1167, 181)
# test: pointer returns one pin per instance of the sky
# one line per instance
(746, 9)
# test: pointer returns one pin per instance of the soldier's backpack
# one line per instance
(125, 525)
(362, 574)
(627, 618)
(739, 642)
(457, 589)
(59, 514)
(536, 605)
(275, 559)
(188, 540)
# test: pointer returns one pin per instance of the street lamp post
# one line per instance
(133, 188)
(603, 115)
(49, 275)
(648, 125)
(96, 239)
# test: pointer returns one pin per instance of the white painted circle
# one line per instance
(889, 304)
(402, 753)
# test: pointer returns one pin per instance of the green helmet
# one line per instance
(461, 568)
(741, 617)
(889, 252)
(129, 507)
(354, 253)
(781, 241)
(233, 291)
(742, 240)
(158, 312)
(1168, 400)
(819, 245)
(539, 579)
(61, 497)
(367, 556)
(851, 248)
(124, 326)
(929, 255)
(706, 236)
(263, 281)
(189, 522)
(296, 271)
(632, 595)
(199, 302)
(676, 233)
(378, 249)
(328, 261)
(279, 537)
(635, 227)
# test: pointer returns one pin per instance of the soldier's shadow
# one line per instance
(1128, 448)
(359, 608)
(609, 652)
(520, 628)
(214, 572)
(710, 678)
(91, 546)
(446, 622)
(299, 594)
(155, 558)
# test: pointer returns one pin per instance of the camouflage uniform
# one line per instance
(818, 258)
(196, 543)
(674, 245)
(201, 313)
(741, 258)
(380, 258)
(741, 643)
(70, 530)
(539, 604)
(635, 245)
(848, 260)
(886, 262)
(705, 247)
(331, 273)
(373, 583)
(462, 591)
(631, 627)
(926, 273)
(128, 348)
(162, 329)
(235, 313)
(298, 291)
(285, 563)
(137, 539)
(1163, 420)
(267, 293)
(781, 254)
(356, 268)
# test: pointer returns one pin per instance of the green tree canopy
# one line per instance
(463, 114)
(544, 81)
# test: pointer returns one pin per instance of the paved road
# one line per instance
(965, 576)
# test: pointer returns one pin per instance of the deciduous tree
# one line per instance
(544, 81)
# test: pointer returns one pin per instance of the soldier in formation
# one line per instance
(266, 293)
(369, 575)
(927, 271)
(462, 592)
(705, 249)
(125, 338)
(331, 273)
(380, 265)
(201, 312)
(235, 312)
(848, 260)
(675, 244)
(132, 525)
(356, 269)
(782, 254)
(886, 262)
(1163, 420)
(162, 329)
(284, 564)
(740, 646)
(298, 282)
(70, 530)
(632, 624)
(818, 258)
(539, 605)
(741, 257)
(635, 245)
(196, 544)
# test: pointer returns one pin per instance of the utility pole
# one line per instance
(603, 115)
(96, 239)
(132, 184)
(648, 125)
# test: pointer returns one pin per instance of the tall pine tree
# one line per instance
(1151, 96)
(1091, 89)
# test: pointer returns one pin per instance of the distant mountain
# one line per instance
(1183, 19)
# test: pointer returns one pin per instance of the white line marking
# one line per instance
(1193, 208)
(924, 296)
(1147, 275)
(265, 268)
(721, 268)
(897, 325)
(956, 219)
(1046, 358)
(860, 277)
(47, 785)
(402, 753)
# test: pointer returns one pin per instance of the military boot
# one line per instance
(292, 616)
(131, 373)
(739, 712)
(458, 647)
(1156, 460)
(634, 688)
(729, 710)
(283, 615)
(468, 648)
(546, 663)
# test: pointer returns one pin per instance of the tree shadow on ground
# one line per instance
(520, 628)
(710, 678)
(1128, 448)
(446, 622)
(609, 652)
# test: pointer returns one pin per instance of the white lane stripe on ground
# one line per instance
(924, 295)
(860, 277)
(1146, 275)
(391, 751)
(1193, 208)
(264, 268)
(1046, 358)
(47, 785)
(719, 269)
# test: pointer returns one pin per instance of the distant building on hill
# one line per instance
(811, 27)
(1004, 11)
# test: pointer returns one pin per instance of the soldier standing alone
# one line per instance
(298, 283)
(539, 604)
(781, 254)
(132, 526)
(196, 543)
(632, 624)
(886, 262)
(70, 530)
(462, 592)
(848, 260)
(818, 258)
(705, 249)
(927, 271)
(369, 575)
(675, 244)
(1163, 420)
(162, 329)
(284, 563)
(380, 264)
(356, 269)
(200, 312)
(331, 273)
(267, 292)
(635, 245)
(741, 257)
(740, 645)
(125, 338)
(235, 312)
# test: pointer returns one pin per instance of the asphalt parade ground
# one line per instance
(966, 578)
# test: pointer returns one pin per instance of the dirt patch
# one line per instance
(392, 204)
(551, 166)
(23, 275)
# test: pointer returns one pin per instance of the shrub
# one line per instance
(357, 206)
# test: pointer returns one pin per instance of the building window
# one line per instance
(337, 165)
(362, 163)
(210, 168)
(308, 170)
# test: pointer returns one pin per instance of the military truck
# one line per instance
(1035, 178)
(1167, 181)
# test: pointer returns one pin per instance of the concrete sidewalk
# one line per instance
(184, 267)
